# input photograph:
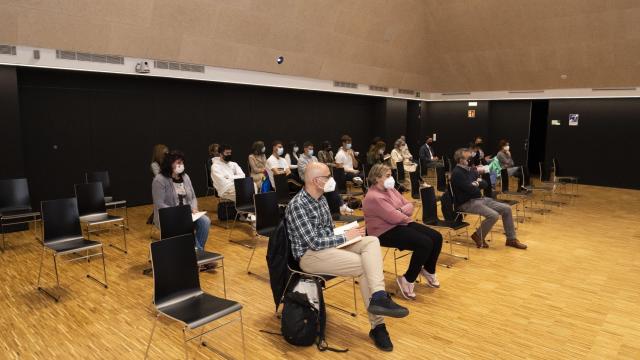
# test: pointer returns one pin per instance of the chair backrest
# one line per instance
(244, 191)
(207, 168)
(556, 167)
(504, 179)
(333, 200)
(60, 219)
(400, 168)
(441, 179)
(102, 177)
(282, 187)
(341, 180)
(267, 212)
(175, 268)
(90, 198)
(414, 178)
(14, 194)
(544, 171)
(175, 221)
(429, 205)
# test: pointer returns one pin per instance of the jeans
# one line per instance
(202, 231)
(490, 210)
(425, 243)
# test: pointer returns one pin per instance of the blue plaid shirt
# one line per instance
(310, 225)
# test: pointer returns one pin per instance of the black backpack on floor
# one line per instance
(303, 324)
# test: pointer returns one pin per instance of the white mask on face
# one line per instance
(348, 146)
(179, 168)
(506, 148)
(280, 151)
(295, 149)
(381, 151)
(330, 185)
(310, 152)
(264, 149)
(389, 182)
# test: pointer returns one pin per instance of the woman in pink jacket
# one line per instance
(388, 215)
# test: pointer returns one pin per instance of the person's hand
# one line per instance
(487, 158)
(407, 208)
(354, 233)
(287, 171)
(475, 183)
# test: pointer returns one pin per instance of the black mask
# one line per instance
(227, 158)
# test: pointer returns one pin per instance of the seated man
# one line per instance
(305, 158)
(277, 164)
(224, 171)
(466, 186)
(346, 159)
(427, 156)
(313, 244)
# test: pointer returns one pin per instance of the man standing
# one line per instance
(314, 245)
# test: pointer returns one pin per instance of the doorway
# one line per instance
(537, 134)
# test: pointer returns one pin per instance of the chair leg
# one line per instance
(224, 281)
(233, 225)
(155, 321)
(104, 271)
(251, 258)
(184, 342)
(40, 270)
(244, 348)
(3, 239)
(55, 266)
(355, 302)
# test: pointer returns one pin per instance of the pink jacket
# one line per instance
(384, 210)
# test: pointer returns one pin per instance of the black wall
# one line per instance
(601, 150)
(509, 120)
(10, 132)
(390, 120)
(78, 121)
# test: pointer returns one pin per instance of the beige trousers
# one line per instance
(362, 259)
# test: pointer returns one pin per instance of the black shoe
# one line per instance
(380, 337)
(384, 306)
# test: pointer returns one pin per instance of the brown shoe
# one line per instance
(476, 239)
(516, 244)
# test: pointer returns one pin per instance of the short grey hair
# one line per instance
(377, 171)
(459, 154)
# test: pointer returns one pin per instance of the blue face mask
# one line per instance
(310, 152)
(348, 146)
(280, 151)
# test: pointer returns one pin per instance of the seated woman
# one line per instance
(172, 187)
(388, 216)
(292, 157)
(400, 153)
(325, 155)
(375, 155)
(258, 163)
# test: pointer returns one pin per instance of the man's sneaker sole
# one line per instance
(380, 311)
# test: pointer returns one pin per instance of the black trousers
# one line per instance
(425, 243)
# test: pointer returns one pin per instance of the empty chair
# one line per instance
(62, 235)
(110, 202)
(267, 217)
(177, 294)
(333, 200)
(244, 201)
(176, 221)
(93, 210)
(560, 177)
(506, 191)
(15, 206)
(282, 189)
(453, 227)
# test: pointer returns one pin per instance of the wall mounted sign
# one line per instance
(573, 119)
(555, 122)
(471, 113)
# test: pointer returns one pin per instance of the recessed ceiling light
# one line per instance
(563, 76)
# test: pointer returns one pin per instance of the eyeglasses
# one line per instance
(326, 177)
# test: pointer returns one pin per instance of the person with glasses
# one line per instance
(315, 246)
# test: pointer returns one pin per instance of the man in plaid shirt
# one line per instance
(313, 244)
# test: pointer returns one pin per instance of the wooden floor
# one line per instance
(574, 294)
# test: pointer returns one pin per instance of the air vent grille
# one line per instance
(615, 89)
(406, 92)
(378, 88)
(97, 58)
(456, 93)
(526, 91)
(345, 84)
(7, 50)
(170, 65)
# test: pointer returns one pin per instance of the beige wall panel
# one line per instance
(9, 24)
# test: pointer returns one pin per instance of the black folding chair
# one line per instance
(333, 200)
(559, 177)
(93, 211)
(176, 221)
(294, 269)
(110, 202)
(15, 206)
(267, 218)
(177, 294)
(505, 190)
(453, 227)
(282, 189)
(62, 235)
(244, 203)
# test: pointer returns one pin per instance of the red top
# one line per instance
(384, 210)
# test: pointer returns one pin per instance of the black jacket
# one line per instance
(278, 255)
(463, 189)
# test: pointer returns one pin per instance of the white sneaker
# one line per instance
(357, 180)
(432, 279)
(406, 288)
(251, 218)
(345, 209)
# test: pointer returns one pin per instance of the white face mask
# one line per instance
(295, 149)
(348, 146)
(280, 151)
(310, 152)
(473, 154)
(506, 148)
(264, 149)
(389, 182)
(330, 185)
(381, 151)
(179, 168)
